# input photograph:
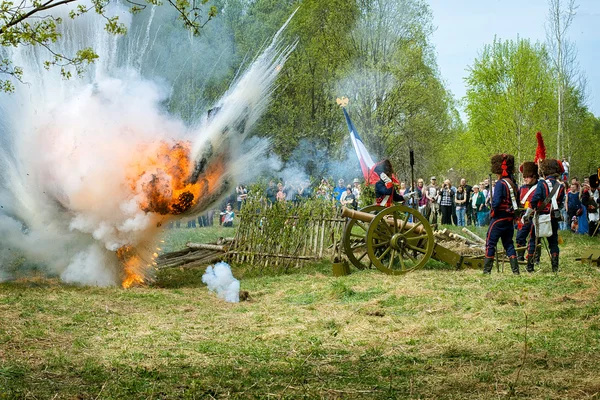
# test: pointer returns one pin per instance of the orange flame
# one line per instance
(161, 177)
(132, 267)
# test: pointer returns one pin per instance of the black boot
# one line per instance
(530, 261)
(487, 266)
(514, 265)
(521, 255)
(538, 255)
(554, 261)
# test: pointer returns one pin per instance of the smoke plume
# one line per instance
(220, 280)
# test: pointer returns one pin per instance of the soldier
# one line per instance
(504, 204)
(385, 193)
(529, 170)
(548, 199)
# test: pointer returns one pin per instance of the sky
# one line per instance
(465, 26)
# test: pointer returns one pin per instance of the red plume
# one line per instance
(540, 152)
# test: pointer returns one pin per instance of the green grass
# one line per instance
(176, 238)
(432, 334)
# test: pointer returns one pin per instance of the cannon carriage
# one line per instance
(396, 240)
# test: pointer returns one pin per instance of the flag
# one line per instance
(364, 158)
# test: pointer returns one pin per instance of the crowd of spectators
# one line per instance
(445, 204)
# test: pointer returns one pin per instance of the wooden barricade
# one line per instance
(286, 237)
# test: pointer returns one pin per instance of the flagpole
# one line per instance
(412, 177)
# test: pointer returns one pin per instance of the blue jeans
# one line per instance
(460, 215)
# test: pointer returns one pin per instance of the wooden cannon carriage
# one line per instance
(396, 240)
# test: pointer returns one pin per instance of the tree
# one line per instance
(563, 55)
(393, 84)
(510, 96)
(35, 24)
(304, 108)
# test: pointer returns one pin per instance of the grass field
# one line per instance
(432, 334)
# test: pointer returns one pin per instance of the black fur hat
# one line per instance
(529, 169)
(594, 181)
(551, 166)
(385, 166)
(503, 164)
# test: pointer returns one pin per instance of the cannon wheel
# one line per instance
(395, 250)
(355, 239)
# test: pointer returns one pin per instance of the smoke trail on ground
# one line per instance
(92, 168)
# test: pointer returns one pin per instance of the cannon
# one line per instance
(396, 240)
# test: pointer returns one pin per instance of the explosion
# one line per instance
(94, 167)
(162, 176)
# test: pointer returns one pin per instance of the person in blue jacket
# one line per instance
(504, 205)
(385, 192)
(550, 169)
(526, 232)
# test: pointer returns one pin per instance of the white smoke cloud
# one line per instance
(220, 280)
(70, 148)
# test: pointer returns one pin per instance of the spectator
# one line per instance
(227, 216)
(422, 198)
(432, 193)
(280, 196)
(573, 202)
(324, 188)
(347, 199)
(356, 188)
(566, 167)
(460, 199)
(446, 201)
(468, 189)
(589, 199)
(338, 191)
(402, 188)
(242, 194)
(478, 204)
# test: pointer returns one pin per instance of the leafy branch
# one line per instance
(25, 24)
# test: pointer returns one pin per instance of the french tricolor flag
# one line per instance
(366, 162)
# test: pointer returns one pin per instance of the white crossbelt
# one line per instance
(512, 194)
(554, 202)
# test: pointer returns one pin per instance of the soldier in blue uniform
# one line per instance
(551, 169)
(529, 170)
(504, 204)
(385, 192)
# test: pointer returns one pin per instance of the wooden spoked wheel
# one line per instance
(399, 240)
(355, 239)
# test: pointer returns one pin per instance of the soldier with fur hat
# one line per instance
(504, 205)
(385, 193)
(529, 170)
(550, 169)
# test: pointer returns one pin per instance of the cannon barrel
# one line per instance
(366, 217)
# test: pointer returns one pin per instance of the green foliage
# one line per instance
(30, 24)
(510, 96)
